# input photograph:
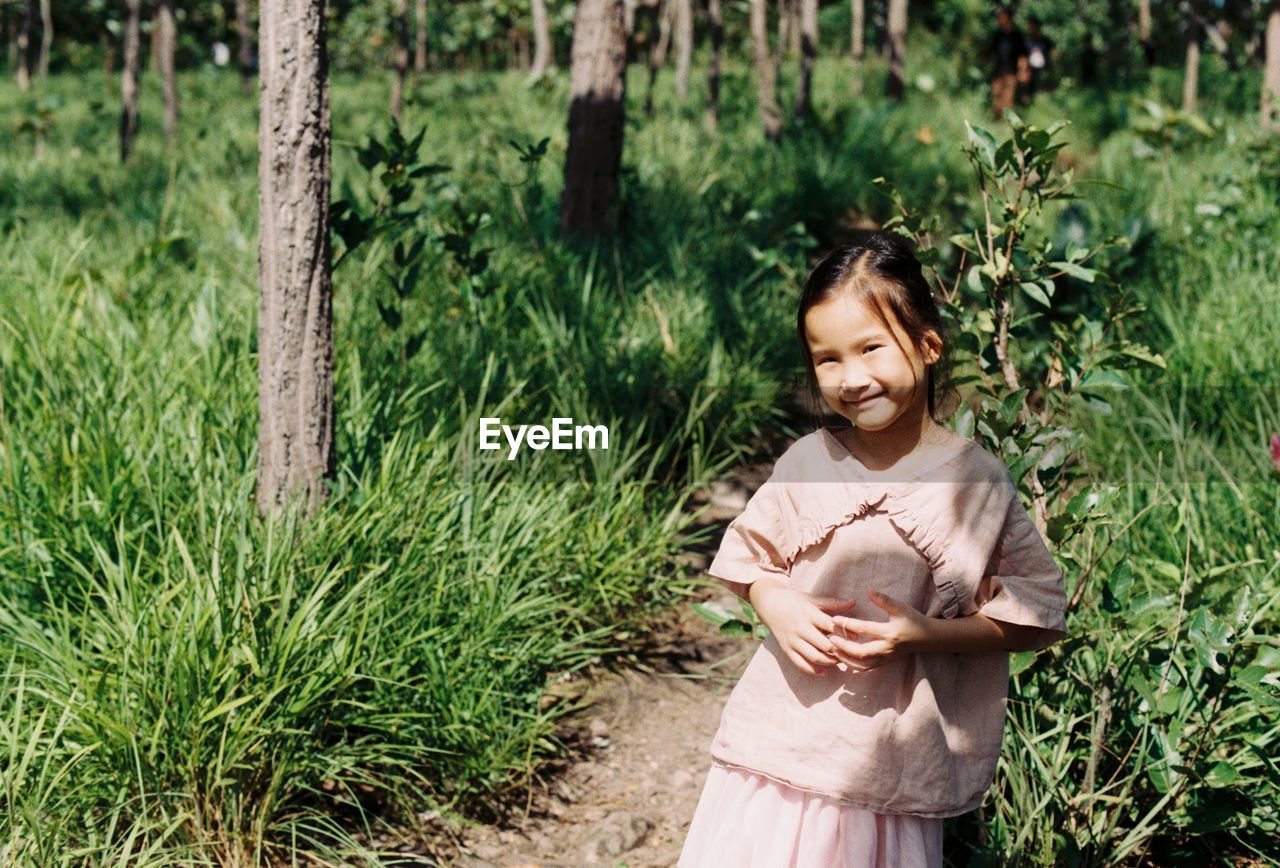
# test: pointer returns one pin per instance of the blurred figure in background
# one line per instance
(1039, 60)
(1008, 53)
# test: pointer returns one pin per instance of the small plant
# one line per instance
(37, 120)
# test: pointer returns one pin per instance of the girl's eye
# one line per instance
(872, 347)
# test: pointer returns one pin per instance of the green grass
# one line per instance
(185, 684)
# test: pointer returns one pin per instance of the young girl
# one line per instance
(895, 569)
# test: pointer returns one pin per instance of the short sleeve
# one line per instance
(754, 542)
(1022, 584)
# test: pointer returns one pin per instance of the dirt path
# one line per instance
(640, 749)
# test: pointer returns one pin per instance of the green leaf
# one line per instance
(1077, 271)
(984, 145)
(1223, 775)
(1097, 379)
(1036, 292)
(1212, 639)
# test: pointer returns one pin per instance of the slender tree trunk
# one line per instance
(897, 26)
(401, 60)
(1191, 74)
(542, 60)
(23, 74)
(808, 30)
(245, 38)
(715, 18)
(658, 51)
(11, 39)
(682, 18)
(858, 41)
(168, 29)
(420, 37)
(1144, 31)
(785, 18)
(597, 116)
(793, 29)
(295, 305)
(130, 74)
(46, 38)
(764, 72)
(1271, 76)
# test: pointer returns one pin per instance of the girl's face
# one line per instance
(862, 372)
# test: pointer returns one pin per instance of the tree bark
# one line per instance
(46, 38)
(1191, 73)
(168, 30)
(295, 318)
(858, 41)
(808, 30)
(769, 114)
(23, 74)
(129, 77)
(894, 85)
(245, 37)
(715, 18)
(401, 59)
(420, 37)
(542, 60)
(597, 116)
(1144, 31)
(682, 19)
(1271, 75)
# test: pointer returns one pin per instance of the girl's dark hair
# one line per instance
(881, 270)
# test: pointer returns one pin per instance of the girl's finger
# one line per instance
(826, 603)
(856, 625)
(814, 653)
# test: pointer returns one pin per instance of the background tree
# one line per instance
(400, 31)
(1144, 31)
(46, 38)
(167, 43)
(715, 25)
(597, 116)
(420, 36)
(858, 41)
(765, 70)
(1191, 45)
(22, 46)
(542, 59)
(1271, 75)
(295, 318)
(130, 74)
(245, 38)
(682, 27)
(658, 16)
(896, 49)
(808, 54)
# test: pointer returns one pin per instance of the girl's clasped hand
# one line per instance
(814, 636)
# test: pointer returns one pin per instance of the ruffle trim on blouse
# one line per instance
(814, 531)
(923, 537)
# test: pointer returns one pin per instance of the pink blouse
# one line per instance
(918, 735)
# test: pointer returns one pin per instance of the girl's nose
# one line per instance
(854, 378)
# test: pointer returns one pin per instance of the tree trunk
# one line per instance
(542, 60)
(793, 28)
(168, 29)
(658, 51)
(1271, 76)
(23, 73)
(715, 18)
(764, 72)
(858, 41)
(897, 27)
(295, 313)
(245, 38)
(597, 116)
(1144, 31)
(1191, 74)
(129, 77)
(46, 38)
(808, 53)
(401, 59)
(682, 16)
(420, 37)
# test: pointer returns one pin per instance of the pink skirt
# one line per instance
(750, 820)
